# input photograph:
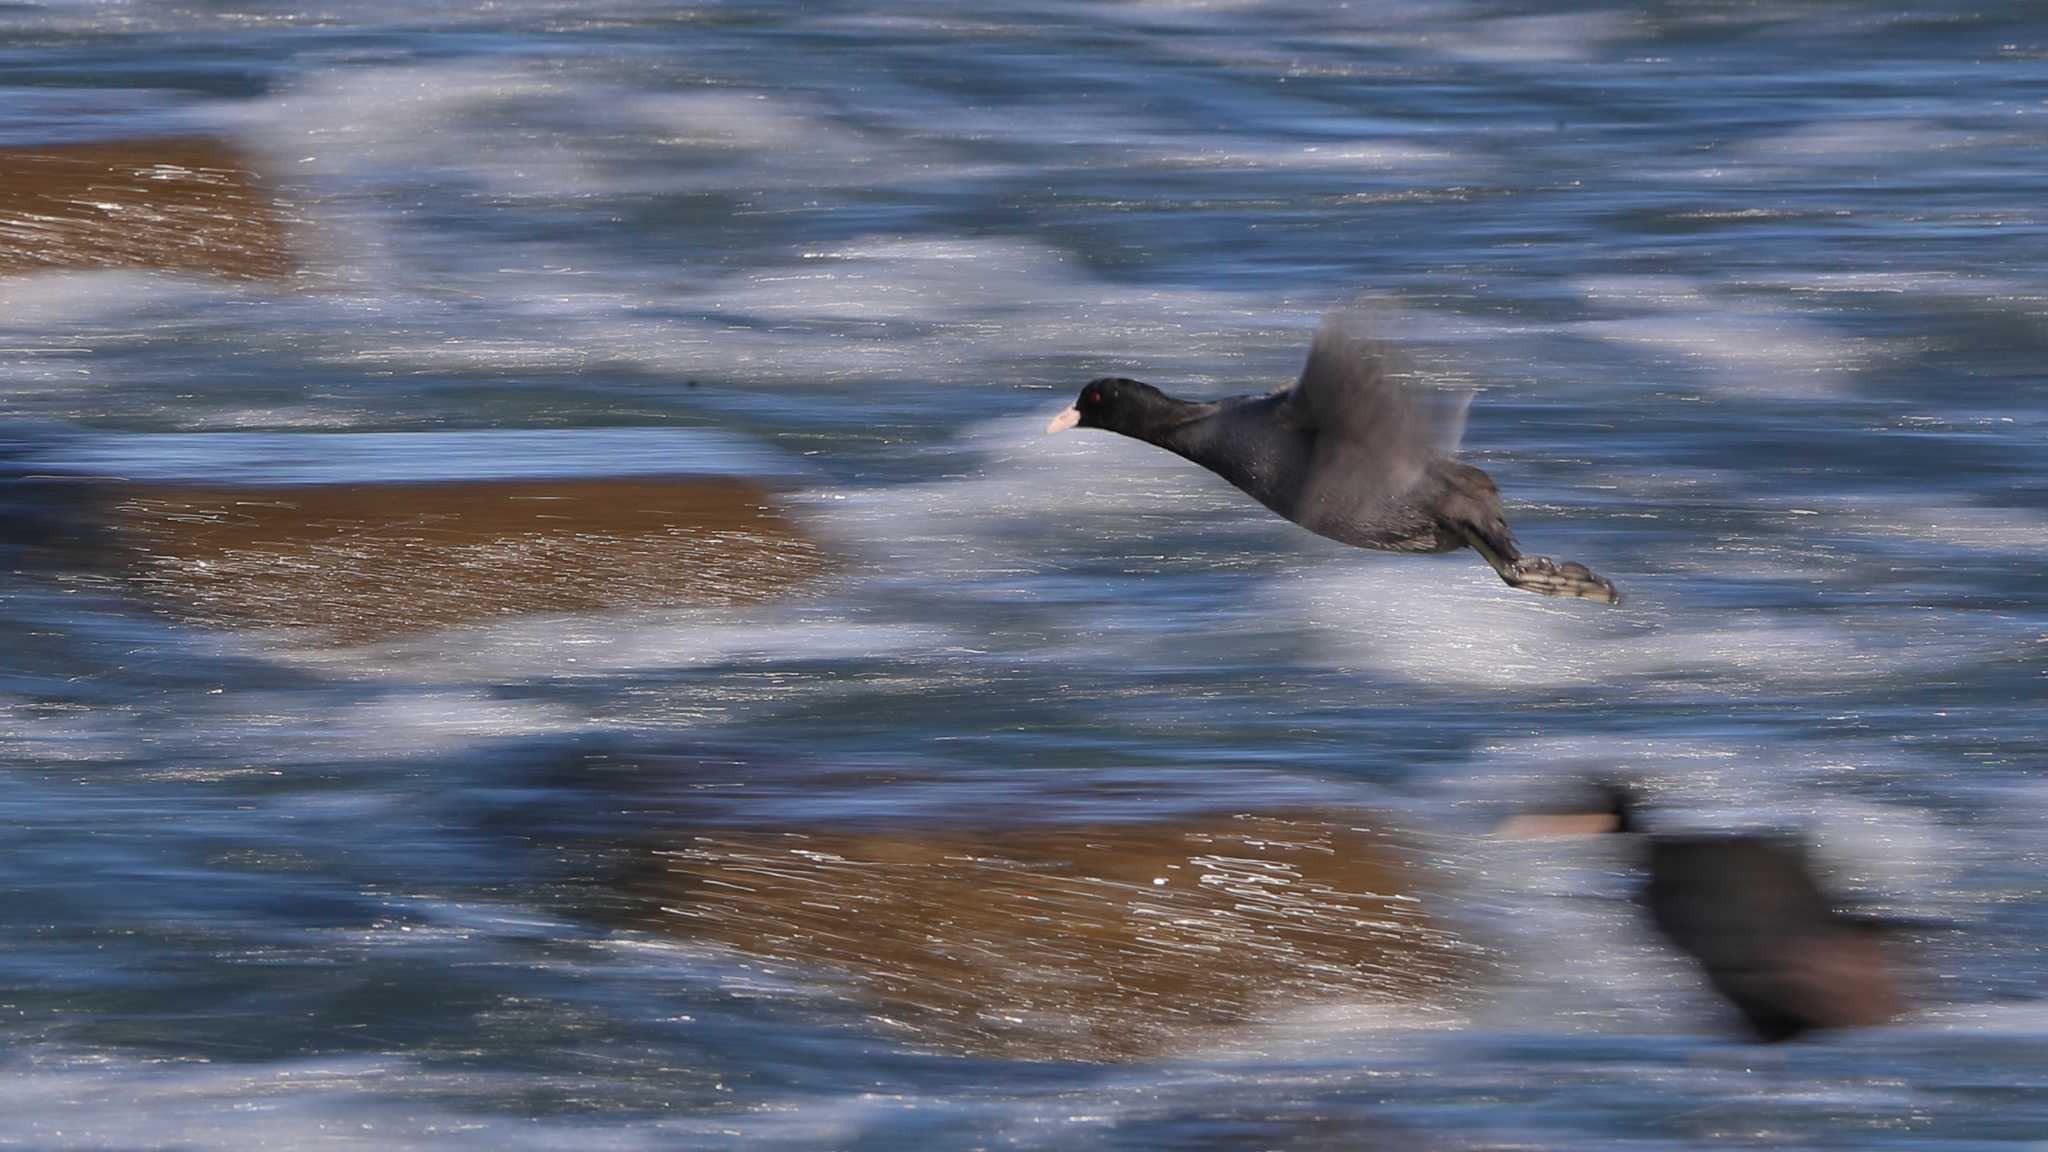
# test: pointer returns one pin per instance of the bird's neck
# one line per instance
(1166, 421)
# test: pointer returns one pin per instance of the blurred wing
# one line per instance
(1447, 409)
(1374, 434)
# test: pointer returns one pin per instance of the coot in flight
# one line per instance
(1349, 452)
(1750, 910)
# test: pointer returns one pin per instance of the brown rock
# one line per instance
(1088, 943)
(187, 204)
(358, 562)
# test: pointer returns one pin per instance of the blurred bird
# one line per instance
(1750, 910)
(1350, 452)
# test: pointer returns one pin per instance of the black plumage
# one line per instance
(1751, 911)
(1350, 452)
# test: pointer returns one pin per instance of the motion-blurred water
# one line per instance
(1756, 299)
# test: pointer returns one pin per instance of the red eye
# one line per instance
(1094, 397)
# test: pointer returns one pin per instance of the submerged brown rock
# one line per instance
(188, 204)
(358, 562)
(1095, 942)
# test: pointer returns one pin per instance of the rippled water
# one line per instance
(1754, 298)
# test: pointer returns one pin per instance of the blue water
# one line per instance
(1755, 300)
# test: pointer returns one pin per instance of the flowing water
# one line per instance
(1754, 297)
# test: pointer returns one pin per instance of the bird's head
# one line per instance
(1608, 806)
(1619, 803)
(1111, 402)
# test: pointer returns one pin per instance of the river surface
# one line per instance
(1755, 298)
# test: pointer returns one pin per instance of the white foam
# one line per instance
(1087, 133)
(1355, 155)
(346, 141)
(726, 119)
(1742, 347)
(1543, 39)
(1859, 141)
(875, 308)
(1753, 353)
(1660, 292)
(1029, 501)
(602, 644)
(1887, 852)
(1576, 953)
(381, 124)
(1450, 621)
(92, 1101)
(950, 308)
(417, 722)
(2006, 530)
(1936, 283)
(2023, 1018)
(412, 721)
(512, 129)
(29, 733)
(349, 140)
(1805, 533)
(36, 307)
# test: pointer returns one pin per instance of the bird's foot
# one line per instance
(1542, 574)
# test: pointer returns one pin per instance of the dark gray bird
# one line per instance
(1349, 452)
(1749, 909)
